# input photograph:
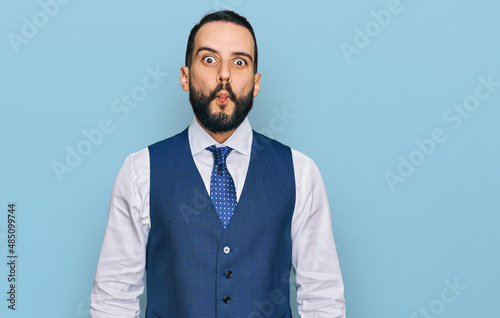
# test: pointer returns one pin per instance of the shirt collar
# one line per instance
(240, 140)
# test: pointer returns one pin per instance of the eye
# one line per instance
(208, 60)
(240, 62)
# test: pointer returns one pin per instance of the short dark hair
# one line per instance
(224, 16)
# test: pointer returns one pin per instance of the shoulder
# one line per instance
(135, 169)
(139, 158)
(307, 174)
(301, 161)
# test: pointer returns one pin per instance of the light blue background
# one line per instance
(398, 246)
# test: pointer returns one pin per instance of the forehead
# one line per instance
(224, 37)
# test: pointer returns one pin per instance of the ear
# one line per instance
(256, 84)
(185, 78)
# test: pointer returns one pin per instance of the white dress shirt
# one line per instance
(119, 278)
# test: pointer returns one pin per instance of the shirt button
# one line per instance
(226, 250)
(226, 299)
(229, 274)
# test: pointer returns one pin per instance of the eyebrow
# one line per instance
(206, 48)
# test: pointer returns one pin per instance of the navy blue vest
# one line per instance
(195, 267)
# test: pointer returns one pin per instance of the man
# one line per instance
(218, 214)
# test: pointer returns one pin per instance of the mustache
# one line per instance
(223, 87)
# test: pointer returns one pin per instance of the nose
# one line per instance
(224, 73)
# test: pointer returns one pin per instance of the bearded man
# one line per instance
(218, 214)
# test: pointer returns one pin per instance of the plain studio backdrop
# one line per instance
(397, 102)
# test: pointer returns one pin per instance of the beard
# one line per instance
(218, 121)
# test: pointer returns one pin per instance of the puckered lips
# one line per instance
(222, 98)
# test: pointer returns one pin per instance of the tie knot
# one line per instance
(220, 154)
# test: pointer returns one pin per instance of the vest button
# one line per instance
(226, 250)
(226, 299)
(229, 274)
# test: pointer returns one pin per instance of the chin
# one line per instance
(227, 109)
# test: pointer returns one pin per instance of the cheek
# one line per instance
(201, 82)
(202, 87)
(243, 86)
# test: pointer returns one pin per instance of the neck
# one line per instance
(219, 137)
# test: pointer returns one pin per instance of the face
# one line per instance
(221, 82)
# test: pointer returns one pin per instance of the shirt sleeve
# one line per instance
(119, 279)
(320, 289)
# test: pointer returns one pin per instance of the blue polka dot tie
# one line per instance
(222, 190)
